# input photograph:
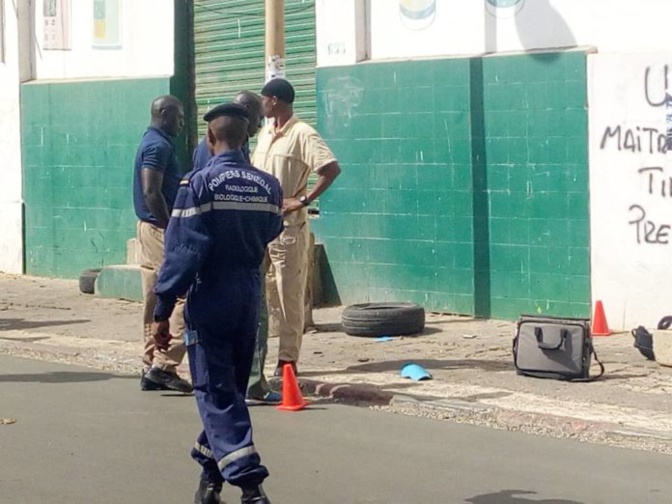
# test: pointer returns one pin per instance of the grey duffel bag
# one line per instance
(550, 347)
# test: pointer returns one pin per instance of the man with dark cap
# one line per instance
(290, 150)
(156, 180)
(252, 103)
(258, 390)
(223, 219)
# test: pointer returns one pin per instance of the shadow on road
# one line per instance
(18, 324)
(29, 339)
(429, 364)
(60, 377)
(513, 497)
(624, 376)
(432, 364)
(428, 330)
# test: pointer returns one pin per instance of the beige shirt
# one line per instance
(290, 155)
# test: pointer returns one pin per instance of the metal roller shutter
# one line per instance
(229, 49)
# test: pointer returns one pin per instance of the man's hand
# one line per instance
(161, 334)
(290, 205)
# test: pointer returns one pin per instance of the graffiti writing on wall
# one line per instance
(655, 88)
(644, 144)
(342, 96)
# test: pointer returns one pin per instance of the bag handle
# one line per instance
(539, 334)
(597, 376)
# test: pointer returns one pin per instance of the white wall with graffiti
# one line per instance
(103, 38)
(630, 187)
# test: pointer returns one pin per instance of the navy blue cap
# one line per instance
(234, 110)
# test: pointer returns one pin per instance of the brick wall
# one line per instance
(79, 141)
(464, 183)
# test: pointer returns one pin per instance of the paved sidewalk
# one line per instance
(474, 380)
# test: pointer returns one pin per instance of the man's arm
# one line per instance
(326, 176)
(152, 182)
(188, 243)
(320, 159)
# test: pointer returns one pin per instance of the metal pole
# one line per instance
(275, 39)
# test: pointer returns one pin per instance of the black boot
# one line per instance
(170, 381)
(146, 384)
(279, 369)
(254, 495)
(208, 493)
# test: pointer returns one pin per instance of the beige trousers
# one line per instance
(286, 289)
(150, 238)
(310, 279)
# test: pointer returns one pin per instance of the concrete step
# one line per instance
(122, 281)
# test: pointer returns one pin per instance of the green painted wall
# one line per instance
(398, 222)
(464, 183)
(79, 141)
(536, 152)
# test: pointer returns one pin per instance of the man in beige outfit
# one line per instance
(156, 180)
(291, 150)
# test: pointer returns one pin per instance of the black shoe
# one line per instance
(208, 493)
(169, 380)
(281, 365)
(254, 495)
(147, 385)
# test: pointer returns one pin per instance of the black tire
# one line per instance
(87, 281)
(665, 323)
(383, 319)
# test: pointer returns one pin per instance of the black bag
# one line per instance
(552, 347)
(644, 342)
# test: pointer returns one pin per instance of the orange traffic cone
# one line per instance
(292, 400)
(600, 327)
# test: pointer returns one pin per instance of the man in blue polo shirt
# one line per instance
(155, 184)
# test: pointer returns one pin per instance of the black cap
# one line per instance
(279, 88)
(227, 110)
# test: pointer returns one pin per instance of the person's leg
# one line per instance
(290, 261)
(160, 365)
(174, 355)
(149, 265)
(258, 388)
(310, 280)
(220, 364)
(211, 481)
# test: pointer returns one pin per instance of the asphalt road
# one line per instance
(83, 436)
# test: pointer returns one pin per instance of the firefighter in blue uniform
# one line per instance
(224, 217)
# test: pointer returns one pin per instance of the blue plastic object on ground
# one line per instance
(384, 338)
(415, 372)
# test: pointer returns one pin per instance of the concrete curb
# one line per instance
(120, 281)
(346, 393)
(349, 393)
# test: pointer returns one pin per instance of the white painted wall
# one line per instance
(146, 48)
(465, 27)
(630, 187)
(11, 222)
(341, 32)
